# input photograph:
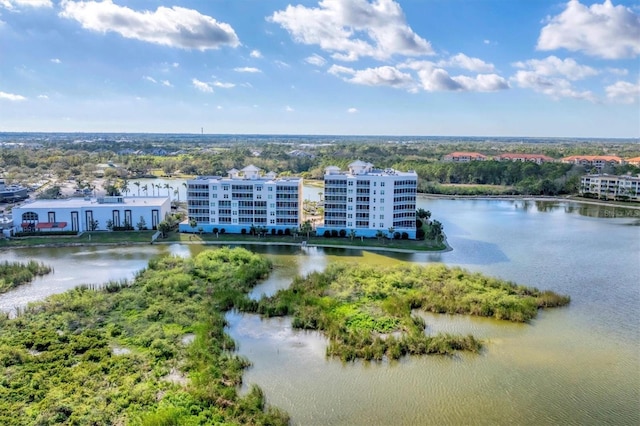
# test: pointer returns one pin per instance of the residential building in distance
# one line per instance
(82, 214)
(367, 200)
(533, 158)
(611, 187)
(597, 161)
(464, 157)
(243, 199)
(634, 161)
(12, 193)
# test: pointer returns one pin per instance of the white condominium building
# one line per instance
(611, 187)
(243, 199)
(367, 200)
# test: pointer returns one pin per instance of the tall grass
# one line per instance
(13, 274)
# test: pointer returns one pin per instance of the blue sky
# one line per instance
(404, 67)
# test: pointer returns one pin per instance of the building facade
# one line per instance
(464, 157)
(532, 158)
(243, 199)
(79, 215)
(611, 187)
(367, 200)
(596, 161)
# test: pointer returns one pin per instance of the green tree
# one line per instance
(142, 224)
(193, 224)
(164, 227)
(306, 227)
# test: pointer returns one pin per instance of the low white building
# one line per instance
(367, 200)
(78, 214)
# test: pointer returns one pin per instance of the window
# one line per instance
(259, 188)
(381, 216)
(214, 187)
(226, 196)
(382, 192)
(374, 184)
(214, 195)
(381, 225)
(271, 188)
(225, 187)
(381, 183)
(350, 183)
(259, 197)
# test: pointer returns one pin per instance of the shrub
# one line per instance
(405, 236)
(418, 223)
(222, 230)
(215, 230)
(334, 233)
(396, 235)
(326, 233)
(343, 233)
(280, 232)
(287, 231)
(273, 231)
(243, 231)
(420, 234)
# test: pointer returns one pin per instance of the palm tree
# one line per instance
(306, 227)
(379, 234)
(138, 185)
(177, 194)
(167, 187)
(391, 231)
(158, 186)
(145, 188)
(124, 186)
(352, 234)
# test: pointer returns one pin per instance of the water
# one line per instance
(574, 365)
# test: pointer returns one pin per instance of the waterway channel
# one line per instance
(574, 365)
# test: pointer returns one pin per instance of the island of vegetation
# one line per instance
(152, 351)
(13, 274)
(367, 312)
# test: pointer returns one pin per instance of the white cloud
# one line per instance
(352, 110)
(174, 27)
(56, 61)
(148, 78)
(255, 54)
(175, 64)
(166, 83)
(44, 97)
(339, 26)
(481, 83)
(381, 76)
(555, 87)
(247, 69)
(288, 109)
(623, 92)
(281, 64)
(552, 66)
(219, 107)
(465, 62)
(11, 4)
(12, 97)
(617, 71)
(485, 41)
(201, 86)
(601, 30)
(224, 85)
(316, 60)
(435, 79)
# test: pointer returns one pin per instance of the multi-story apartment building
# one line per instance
(243, 199)
(597, 161)
(464, 157)
(611, 187)
(533, 158)
(367, 200)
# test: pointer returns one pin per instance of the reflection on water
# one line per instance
(575, 365)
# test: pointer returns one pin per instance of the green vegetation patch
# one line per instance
(366, 311)
(152, 351)
(13, 274)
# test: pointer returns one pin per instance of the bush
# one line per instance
(334, 233)
(420, 234)
(222, 230)
(273, 231)
(405, 236)
(243, 231)
(343, 233)
(287, 231)
(215, 230)
(418, 223)
(280, 232)
(44, 234)
(326, 233)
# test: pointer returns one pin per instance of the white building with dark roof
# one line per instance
(367, 200)
(78, 214)
(243, 199)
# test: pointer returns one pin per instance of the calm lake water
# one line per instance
(574, 365)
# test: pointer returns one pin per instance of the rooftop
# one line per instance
(81, 202)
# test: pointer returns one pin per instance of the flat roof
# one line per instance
(93, 202)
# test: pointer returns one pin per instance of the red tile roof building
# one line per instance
(464, 157)
(534, 158)
(597, 161)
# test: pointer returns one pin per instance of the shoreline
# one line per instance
(229, 243)
(567, 198)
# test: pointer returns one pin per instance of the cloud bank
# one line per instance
(600, 30)
(174, 27)
(352, 29)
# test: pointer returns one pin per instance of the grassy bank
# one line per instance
(13, 274)
(366, 311)
(144, 237)
(151, 351)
